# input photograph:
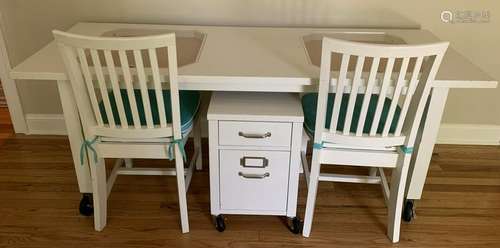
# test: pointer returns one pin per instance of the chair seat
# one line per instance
(189, 105)
(310, 102)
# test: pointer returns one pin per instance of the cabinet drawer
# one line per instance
(254, 180)
(255, 133)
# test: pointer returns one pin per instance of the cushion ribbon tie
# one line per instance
(406, 150)
(180, 144)
(318, 146)
(85, 147)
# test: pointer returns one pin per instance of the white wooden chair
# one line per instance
(376, 123)
(130, 111)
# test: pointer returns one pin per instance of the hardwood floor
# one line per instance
(39, 199)
(6, 128)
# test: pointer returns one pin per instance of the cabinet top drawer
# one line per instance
(255, 106)
(236, 133)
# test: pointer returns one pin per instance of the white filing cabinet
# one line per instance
(254, 143)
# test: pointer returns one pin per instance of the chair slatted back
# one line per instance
(113, 88)
(399, 79)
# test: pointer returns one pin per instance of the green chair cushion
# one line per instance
(310, 101)
(189, 103)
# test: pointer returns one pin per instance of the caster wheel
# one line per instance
(219, 223)
(295, 225)
(86, 205)
(409, 211)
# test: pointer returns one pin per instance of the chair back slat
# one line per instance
(354, 93)
(341, 83)
(127, 78)
(381, 96)
(409, 94)
(395, 96)
(110, 63)
(379, 107)
(143, 85)
(368, 94)
(87, 77)
(119, 86)
(157, 86)
(101, 81)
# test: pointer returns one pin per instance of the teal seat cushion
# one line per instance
(310, 102)
(189, 104)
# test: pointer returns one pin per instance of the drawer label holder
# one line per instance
(244, 161)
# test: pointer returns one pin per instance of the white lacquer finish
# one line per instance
(95, 81)
(255, 58)
(237, 192)
(255, 133)
(261, 59)
(73, 126)
(276, 109)
(257, 174)
(381, 146)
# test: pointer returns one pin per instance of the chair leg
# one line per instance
(100, 193)
(197, 144)
(181, 190)
(128, 163)
(303, 150)
(373, 171)
(396, 198)
(305, 167)
(311, 194)
(303, 156)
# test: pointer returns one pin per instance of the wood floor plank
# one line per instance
(39, 206)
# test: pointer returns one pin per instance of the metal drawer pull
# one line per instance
(255, 136)
(243, 162)
(254, 176)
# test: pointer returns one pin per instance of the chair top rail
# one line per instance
(115, 43)
(383, 50)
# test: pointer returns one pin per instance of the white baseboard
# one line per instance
(469, 134)
(46, 124)
(465, 134)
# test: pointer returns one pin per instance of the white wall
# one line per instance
(478, 42)
(28, 24)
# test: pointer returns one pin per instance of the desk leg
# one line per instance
(74, 130)
(425, 143)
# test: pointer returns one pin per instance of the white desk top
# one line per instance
(255, 59)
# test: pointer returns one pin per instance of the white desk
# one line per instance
(259, 59)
